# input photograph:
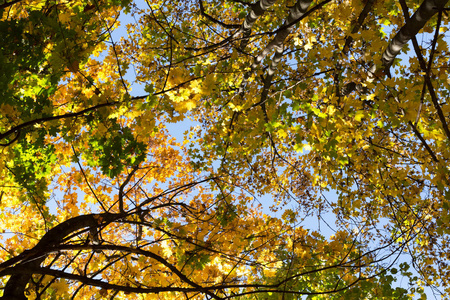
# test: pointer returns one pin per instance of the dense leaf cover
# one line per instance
(288, 101)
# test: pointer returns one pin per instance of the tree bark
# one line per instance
(296, 12)
(412, 26)
(15, 287)
(424, 13)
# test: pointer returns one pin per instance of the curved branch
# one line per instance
(424, 13)
(146, 253)
(13, 140)
(297, 13)
(412, 26)
(7, 4)
(426, 68)
(214, 20)
(20, 271)
(362, 16)
(53, 118)
(31, 259)
(257, 10)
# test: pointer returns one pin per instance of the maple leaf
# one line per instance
(293, 101)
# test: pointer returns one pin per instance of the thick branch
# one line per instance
(18, 128)
(6, 4)
(150, 254)
(257, 10)
(295, 14)
(426, 69)
(89, 281)
(31, 259)
(424, 13)
(412, 26)
(361, 18)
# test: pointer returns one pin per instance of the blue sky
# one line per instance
(178, 129)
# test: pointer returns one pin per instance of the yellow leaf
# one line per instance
(64, 17)
(359, 115)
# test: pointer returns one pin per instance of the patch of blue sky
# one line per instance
(326, 222)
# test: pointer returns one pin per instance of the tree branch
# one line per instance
(427, 9)
(214, 20)
(6, 4)
(361, 18)
(31, 259)
(53, 118)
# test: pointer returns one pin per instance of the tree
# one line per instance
(293, 98)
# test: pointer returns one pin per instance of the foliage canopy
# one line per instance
(288, 100)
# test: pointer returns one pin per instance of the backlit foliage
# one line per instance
(335, 112)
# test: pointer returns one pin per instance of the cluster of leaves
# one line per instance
(292, 99)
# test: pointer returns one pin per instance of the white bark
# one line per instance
(424, 13)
